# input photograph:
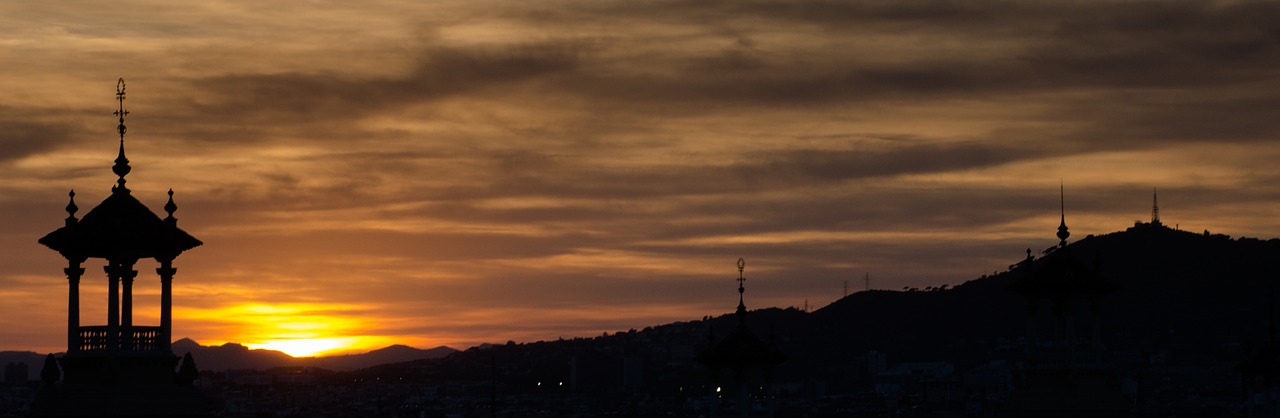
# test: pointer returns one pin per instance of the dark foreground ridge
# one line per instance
(235, 356)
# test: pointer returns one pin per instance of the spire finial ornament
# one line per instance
(122, 164)
(1062, 227)
(742, 307)
(71, 208)
(170, 207)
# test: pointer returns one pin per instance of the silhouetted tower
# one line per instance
(1062, 227)
(741, 351)
(1064, 281)
(1155, 207)
(118, 355)
(1063, 376)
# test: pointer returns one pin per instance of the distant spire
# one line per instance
(742, 307)
(1062, 227)
(1155, 207)
(122, 164)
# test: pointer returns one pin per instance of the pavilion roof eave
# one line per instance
(120, 227)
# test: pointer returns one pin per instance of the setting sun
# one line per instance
(297, 329)
(307, 347)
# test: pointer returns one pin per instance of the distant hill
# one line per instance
(33, 361)
(392, 354)
(236, 356)
(231, 356)
(1184, 298)
(1178, 290)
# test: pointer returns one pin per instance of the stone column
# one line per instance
(74, 272)
(113, 304)
(127, 274)
(166, 272)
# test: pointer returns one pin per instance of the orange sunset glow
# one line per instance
(300, 330)
(459, 173)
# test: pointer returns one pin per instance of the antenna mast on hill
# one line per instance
(1155, 207)
(867, 281)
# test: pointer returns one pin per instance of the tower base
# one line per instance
(119, 401)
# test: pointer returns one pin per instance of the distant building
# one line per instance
(741, 352)
(1062, 372)
(16, 373)
(119, 369)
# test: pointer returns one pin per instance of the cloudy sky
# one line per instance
(460, 172)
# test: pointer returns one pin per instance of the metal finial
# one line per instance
(170, 207)
(742, 264)
(1062, 227)
(122, 164)
(71, 207)
(121, 112)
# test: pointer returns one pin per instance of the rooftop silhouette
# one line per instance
(119, 369)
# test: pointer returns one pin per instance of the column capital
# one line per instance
(128, 275)
(121, 271)
(166, 271)
(75, 272)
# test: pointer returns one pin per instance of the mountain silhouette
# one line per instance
(1196, 300)
(392, 354)
(1181, 293)
(31, 359)
(235, 356)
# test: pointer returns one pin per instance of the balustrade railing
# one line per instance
(98, 338)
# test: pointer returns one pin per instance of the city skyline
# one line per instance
(465, 173)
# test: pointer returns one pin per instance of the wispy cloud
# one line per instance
(449, 166)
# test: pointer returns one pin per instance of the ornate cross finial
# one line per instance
(121, 112)
(742, 265)
(122, 164)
